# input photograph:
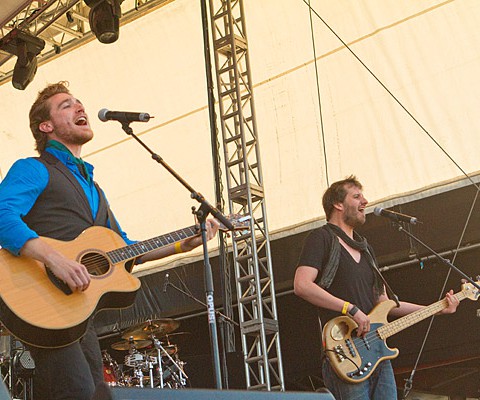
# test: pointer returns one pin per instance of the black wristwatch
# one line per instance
(353, 311)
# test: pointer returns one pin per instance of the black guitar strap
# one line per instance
(376, 270)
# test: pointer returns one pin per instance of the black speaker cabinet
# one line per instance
(104, 392)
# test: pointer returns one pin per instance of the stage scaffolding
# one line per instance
(259, 329)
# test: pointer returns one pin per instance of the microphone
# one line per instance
(122, 116)
(395, 216)
(166, 282)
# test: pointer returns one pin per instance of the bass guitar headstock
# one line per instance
(470, 291)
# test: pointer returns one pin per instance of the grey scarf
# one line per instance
(358, 243)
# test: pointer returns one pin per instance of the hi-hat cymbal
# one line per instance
(129, 344)
(155, 327)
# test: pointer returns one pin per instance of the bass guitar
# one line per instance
(41, 310)
(355, 358)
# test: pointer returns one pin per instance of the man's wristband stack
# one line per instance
(345, 308)
(353, 311)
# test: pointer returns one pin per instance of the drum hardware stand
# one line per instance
(131, 361)
(202, 214)
(160, 349)
(150, 370)
(138, 373)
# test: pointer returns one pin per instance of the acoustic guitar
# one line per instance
(41, 310)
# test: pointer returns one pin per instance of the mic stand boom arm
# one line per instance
(443, 260)
(202, 213)
(208, 208)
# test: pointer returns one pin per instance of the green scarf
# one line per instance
(78, 161)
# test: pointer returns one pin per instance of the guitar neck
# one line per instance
(146, 246)
(402, 323)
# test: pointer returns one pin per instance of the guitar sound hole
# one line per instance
(96, 264)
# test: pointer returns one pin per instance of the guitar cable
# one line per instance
(342, 353)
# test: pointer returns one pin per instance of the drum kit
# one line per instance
(151, 361)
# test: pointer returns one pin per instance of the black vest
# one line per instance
(62, 211)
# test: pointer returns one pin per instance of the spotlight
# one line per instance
(104, 18)
(26, 47)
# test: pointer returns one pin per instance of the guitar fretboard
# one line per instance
(402, 323)
(146, 246)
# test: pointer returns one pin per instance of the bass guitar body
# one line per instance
(355, 358)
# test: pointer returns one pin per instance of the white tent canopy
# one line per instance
(425, 52)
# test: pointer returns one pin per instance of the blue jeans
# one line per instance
(380, 385)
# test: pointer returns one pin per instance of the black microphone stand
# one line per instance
(202, 213)
(409, 382)
(438, 256)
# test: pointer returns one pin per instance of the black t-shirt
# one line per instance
(353, 282)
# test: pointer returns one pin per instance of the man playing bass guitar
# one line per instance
(335, 273)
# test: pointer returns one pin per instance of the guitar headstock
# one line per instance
(470, 291)
(238, 221)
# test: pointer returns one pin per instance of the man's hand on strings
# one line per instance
(212, 226)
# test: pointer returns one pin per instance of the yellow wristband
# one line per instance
(178, 248)
(345, 307)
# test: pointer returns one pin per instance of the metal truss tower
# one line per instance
(251, 248)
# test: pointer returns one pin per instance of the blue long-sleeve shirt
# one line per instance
(25, 181)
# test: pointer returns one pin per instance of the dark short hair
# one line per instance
(40, 112)
(336, 193)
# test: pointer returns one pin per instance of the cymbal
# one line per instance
(157, 327)
(129, 344)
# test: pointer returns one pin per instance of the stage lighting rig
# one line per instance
(26, 47)
(104, 19)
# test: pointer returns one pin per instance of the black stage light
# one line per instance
(26, 47)
(104, 19)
